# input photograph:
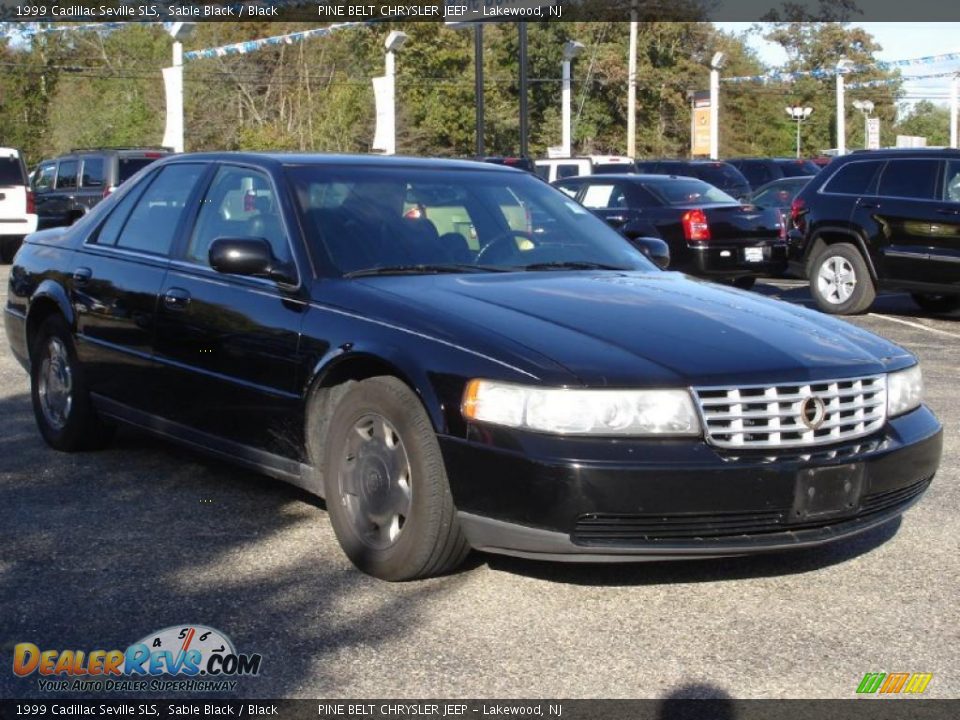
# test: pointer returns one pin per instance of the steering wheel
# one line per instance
(495, 250)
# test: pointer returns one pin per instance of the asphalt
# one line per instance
(99, 549)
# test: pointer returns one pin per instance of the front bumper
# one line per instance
(587, 500)
(732, 260)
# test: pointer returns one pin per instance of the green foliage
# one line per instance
(926, 120)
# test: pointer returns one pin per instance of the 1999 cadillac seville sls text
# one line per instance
(457, 355)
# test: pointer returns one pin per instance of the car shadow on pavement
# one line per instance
(791, 562)
(897, 304)
(102, 549)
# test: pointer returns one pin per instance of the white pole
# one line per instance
(798, 138)
(841, 118)
(714, 114)
(632, 89)
(954, 91)
(390, 71)
(173, 89)
(566, 142)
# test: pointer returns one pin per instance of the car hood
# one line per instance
(637, 329)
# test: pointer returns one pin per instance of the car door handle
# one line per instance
(176, 298)
(948, 211)
(81, 275)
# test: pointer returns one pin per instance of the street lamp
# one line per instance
(173, 86)
(844, 66)
(800, 116)
(954, 91)
(571, 49)
(717, 62)
(865, 107)
(395, 40)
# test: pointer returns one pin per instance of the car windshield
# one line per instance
(11, 171)
(684, 191)
(369, 219)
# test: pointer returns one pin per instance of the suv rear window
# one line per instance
(721, 175)
(92, 172)
(130, 166)
(910, 179)
(11, 171)
(798, 168)
(688, 191)
(854, 178)
(608, 168)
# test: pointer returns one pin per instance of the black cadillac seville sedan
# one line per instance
(457, 355)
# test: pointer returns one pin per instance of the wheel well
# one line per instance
(327, 390)
(40, 310)
(825, 238)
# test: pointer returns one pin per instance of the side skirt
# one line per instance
(290, 471)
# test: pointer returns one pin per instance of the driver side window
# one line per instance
(239, 204)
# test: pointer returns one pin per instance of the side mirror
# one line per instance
(655, 249)
(249, 257)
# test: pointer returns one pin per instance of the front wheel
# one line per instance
(61, 403)
(386, 486)
(936, 303)
(840, 281)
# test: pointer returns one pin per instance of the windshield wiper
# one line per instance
(572, 265)
(423, 269)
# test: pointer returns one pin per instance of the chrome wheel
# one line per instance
(55, 384)
(836, 280)
(375, 481)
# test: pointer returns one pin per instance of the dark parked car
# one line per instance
(760, 171)
(448, 380)
(720, 174)
(67, 187)
(779, 194)
(708, 232)
(883, 219)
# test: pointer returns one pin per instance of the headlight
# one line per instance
(581, 412)
(904, 391)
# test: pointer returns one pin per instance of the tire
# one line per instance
(61, 402)
(386, 486)
(934, 303)
(745, 283)
(840, 281)
(8, 248)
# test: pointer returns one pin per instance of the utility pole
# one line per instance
(632, 84)
(716, 63)
(524, 119)
(843, 67)
(478, 83)
(954, 91)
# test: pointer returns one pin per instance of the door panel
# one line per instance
(944, 260)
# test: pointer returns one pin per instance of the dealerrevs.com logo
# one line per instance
(190, 658)
(894, 683)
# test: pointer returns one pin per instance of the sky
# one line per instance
(900, 40)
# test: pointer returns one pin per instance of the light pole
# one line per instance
(844, 66)
(173, 86)
(394, 42)
(954, 91)
(632, 84)
(571, 49)
(865, 107)
(716, 64)
(800, 116)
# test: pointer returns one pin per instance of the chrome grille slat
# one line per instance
(769, 416)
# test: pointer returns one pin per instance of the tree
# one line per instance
(926, 120)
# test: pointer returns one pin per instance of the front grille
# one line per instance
(611, 529)
(773, 416)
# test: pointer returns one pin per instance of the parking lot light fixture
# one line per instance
(800, 115)
(844, 67)
(395, 40)
(717, 62)
(571, 49)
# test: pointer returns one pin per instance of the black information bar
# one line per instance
(875, 708)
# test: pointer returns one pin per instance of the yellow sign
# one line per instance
(700, 142)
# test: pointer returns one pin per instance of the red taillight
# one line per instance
(695, 227)
(249, 201)
(796, 210)
(31, 203)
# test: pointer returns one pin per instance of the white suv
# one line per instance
(553, 169)
(18, 215)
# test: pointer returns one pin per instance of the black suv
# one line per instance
(67, 187)
(881, 219)
(760, 171)
(722, 175)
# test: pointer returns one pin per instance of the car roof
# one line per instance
(895, 152)
(632, 177)
(9, 152)
(300, 158)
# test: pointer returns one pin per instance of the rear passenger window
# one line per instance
(600, 197)
(855, 178)
(910, 179)
(567, 170)
(43, 180)
(153, 222)
(951, 183)
(67, 175)
(92, 172)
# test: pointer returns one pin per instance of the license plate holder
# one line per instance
(826, 492)
(753, 254)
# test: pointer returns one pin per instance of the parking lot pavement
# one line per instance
(97, 550)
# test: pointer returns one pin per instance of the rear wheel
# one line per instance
(840, 281)
(935, 303)
(61, 403)
(386, 486)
